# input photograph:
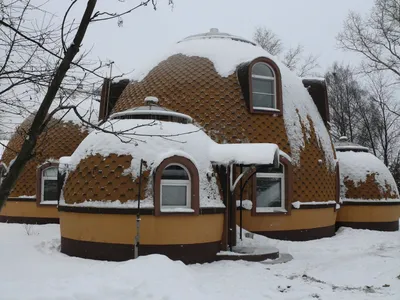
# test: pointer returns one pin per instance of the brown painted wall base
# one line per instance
(379, 226)
(189, 253)
(29, 220)
(300, 234)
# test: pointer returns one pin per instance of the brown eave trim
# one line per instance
(15, 199)
(383, 203)
(28, 220)
(379, 226)
(300, 234)
(187, 253)
(132, 211)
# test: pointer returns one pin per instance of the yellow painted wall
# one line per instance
(162, 230)
(368, 213)
(299, 219)
(28, 209)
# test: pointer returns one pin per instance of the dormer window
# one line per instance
(261, 84)
(263, 87)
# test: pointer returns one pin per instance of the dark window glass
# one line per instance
(269, 192)
(175, 172)
(50, 190)
(270, 169)
(262, 69)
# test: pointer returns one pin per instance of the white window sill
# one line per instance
(176, 210)
(266, 109)
(270, 210)
(53, 202)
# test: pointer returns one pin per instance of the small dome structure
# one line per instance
(35, 195)
(368, 191)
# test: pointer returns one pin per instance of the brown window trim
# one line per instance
(194, 185)
(288, 190)
(39, 173)
(278, 87)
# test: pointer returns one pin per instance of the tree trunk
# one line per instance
(35, 130)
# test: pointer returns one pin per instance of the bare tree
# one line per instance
(376, 37)
(268, 40)
(42, 68)
(294, 57)
(343, 92)
(388, 129)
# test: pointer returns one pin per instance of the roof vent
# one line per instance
(151, 100)
(343, 139)
(214, 30)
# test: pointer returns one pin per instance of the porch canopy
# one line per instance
(245, 154)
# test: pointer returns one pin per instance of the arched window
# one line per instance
(49, 185)
(263, 82)
(175, 187)
(270, 190)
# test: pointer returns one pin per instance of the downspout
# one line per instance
(137, 237)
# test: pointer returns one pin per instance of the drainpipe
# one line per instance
(137, 237)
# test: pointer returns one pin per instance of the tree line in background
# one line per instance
(364, 100)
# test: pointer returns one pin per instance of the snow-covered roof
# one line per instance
(214, 33)
(245, 154)
(3, 144)
(226, 54)
(356, 166)
(345, 145)
(154, 141)
(151, 109)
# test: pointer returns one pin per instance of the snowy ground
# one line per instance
(355, 264)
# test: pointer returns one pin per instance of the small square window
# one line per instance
(270, 189)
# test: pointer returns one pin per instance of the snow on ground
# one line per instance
(355, 264)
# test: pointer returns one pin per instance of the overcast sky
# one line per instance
(145, 32)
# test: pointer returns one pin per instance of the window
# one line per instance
(263, 83)
(270, 189)
(49, 185)
(175, 187)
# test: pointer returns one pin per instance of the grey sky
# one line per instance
(146, 33)
(313, 23)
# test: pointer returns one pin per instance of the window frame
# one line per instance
(194, 200)
(278, 88)
(288, 191)
(266, 78)
(40, 185)
(281, 176)
(176, 182)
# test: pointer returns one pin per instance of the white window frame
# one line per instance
(283, 196)
(273, 79)
(180, 182)
(42, 179)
